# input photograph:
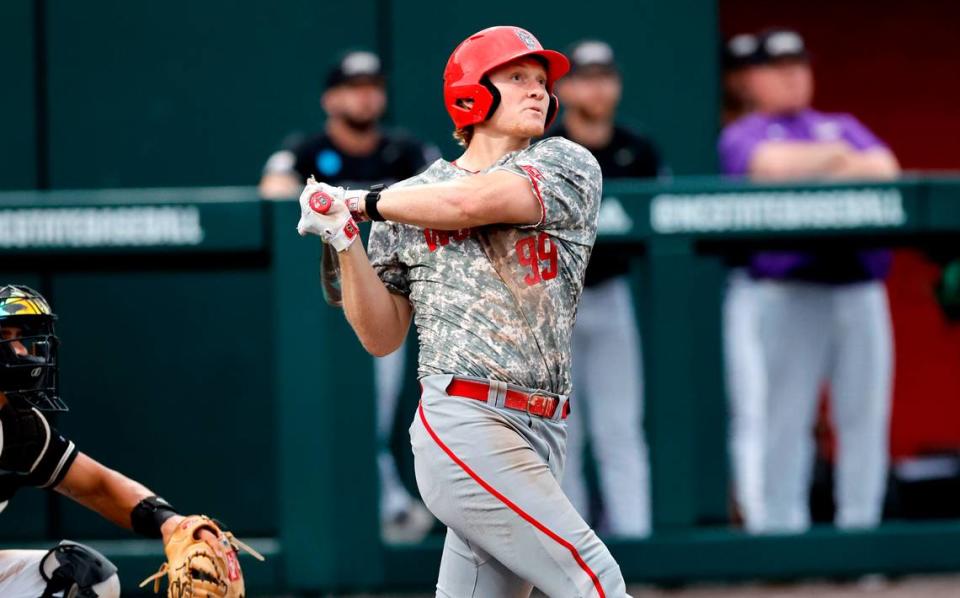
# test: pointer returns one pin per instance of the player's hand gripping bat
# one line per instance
(321, 214)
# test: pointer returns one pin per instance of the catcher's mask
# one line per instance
(29, 374)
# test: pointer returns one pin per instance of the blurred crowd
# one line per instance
(796, 324)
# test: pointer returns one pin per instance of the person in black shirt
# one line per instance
(607, 374)
(354, 150)
(34, 454)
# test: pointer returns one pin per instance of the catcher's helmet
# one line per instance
(465, 77)
(29, 375)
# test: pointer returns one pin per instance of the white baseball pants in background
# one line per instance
(812, 334)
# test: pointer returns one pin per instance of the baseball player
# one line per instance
(487, 254)
(820, 316)
(354, 150)
(607, 368)
(201, 558)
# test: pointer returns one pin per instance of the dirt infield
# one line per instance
(908, 587)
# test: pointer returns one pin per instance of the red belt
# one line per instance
(529, 402)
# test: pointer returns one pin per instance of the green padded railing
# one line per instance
(206, 301)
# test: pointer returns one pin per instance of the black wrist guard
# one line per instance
(370, 204)
(149, 515)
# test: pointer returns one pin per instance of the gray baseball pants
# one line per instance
(491, 475)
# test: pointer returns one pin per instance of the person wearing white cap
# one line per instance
(607, 368)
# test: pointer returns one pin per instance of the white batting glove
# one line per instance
(355, 198)
(323, 212)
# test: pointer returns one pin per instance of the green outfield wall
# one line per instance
(198, 357)
(109, 93)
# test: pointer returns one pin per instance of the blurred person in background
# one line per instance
(607, 365)
(355, 150)
(353, 147)
(821, 316)
(735, 104)
(743, 357)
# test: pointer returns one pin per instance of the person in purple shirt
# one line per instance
(808, 317)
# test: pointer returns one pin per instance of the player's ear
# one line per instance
(326, 100)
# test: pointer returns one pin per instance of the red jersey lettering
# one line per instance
(539, 253)
(441, 238)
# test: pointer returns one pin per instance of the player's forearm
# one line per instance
(279, 186)
(442, 206)
(789, 160)
(103, 490)
(879, 164)
(368, 306)
(493, 198)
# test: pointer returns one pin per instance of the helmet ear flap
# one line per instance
(552, 110)
(494, 92)
(464, 115)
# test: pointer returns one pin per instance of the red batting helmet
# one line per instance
(465, 77)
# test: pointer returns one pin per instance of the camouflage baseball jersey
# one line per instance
(499, 301)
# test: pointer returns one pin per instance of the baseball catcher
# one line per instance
(201, 557)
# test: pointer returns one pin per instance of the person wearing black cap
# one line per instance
(607, 369)
(812, 316)
(354, 150)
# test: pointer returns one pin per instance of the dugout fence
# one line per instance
(200, 309)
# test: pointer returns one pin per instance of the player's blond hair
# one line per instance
(464, 135)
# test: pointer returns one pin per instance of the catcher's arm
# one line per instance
(131, 505)
(103, 490)
(111, 494)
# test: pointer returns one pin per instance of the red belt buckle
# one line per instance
(540, 405)
(532, 403)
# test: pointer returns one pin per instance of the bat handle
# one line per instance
(320, 202)
(330, 276)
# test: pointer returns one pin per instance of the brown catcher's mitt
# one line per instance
(198, 567)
